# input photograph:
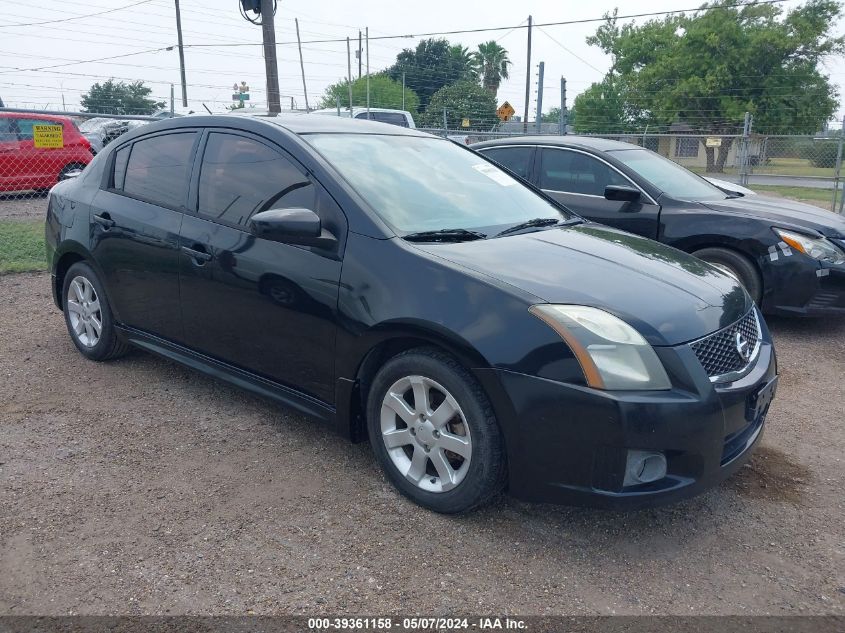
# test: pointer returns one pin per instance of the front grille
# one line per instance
(718, 352)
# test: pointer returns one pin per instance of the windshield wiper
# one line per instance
(444, 235)
(539, 222)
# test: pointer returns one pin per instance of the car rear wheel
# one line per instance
(434, 432)
(88, 315)
(734, 265)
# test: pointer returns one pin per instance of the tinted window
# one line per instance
(6, 131)
(240, 177)
(517, 159)
(25, 127)
(394, 118)
(120, 159)
(158, 169)
(417, 183)
(573, 172)
(667, 176)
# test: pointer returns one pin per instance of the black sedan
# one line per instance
(789, 256)
(401, 288)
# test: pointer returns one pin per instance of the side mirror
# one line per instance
(292, 226)
(621, 193)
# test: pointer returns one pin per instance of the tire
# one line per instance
(420, 450)
(63, 174)
(736, 265)
(85, 305)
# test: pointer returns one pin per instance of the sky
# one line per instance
(45, 66)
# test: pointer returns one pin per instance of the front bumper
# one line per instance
(801, 286)
(568, 444)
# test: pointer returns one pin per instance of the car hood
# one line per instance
(786, 213)
(668, 296)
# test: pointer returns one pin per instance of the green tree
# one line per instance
(707, 68)
(553, 116)
(492, 61)
(461, 100)
(607, 107)
(428, 67)
(463, 61)
(384, 93)
(118, 97)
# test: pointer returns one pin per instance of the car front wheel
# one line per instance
(434, 432)
(88, 315)
(734, 265)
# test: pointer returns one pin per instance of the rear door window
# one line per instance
(158, 169)
(574, 172)
(517, 159)
(240, 177)
(121, 157)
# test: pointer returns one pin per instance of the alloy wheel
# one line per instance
(426, 434)
(84, 312)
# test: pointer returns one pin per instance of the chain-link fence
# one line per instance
(38, 149)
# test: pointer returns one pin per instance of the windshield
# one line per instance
(669, 177)
(427, 184)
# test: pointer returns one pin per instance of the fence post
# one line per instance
(838, 169)
(743, 156)
(539, 121)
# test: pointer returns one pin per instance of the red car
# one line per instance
(23, 166)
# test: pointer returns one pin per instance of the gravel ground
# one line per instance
(142, 487)
(30, 206)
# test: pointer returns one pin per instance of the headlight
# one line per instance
(612, 354)
(816, 247)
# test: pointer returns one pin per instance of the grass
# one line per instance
(818, 197)
(781, 167)
(22, 246)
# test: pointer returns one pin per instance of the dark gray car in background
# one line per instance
(789, 256)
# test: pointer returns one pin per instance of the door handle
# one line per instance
(200, 256)
(104, 220)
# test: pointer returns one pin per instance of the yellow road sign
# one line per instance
(505, 111)
(48, 136)
(465, 123)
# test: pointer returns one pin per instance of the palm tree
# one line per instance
(464, 62)
(493, 62)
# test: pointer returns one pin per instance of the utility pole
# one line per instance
(368, 71)
(301, 64)
(172, 109)
(349, 73)
(182, 56)
(527, 79)
(564, 113)
(360, 53)
(271, 68)
(539, 121)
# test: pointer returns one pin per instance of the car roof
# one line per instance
(33, 115)
(357, 110)
(296, 123)
(584, 142)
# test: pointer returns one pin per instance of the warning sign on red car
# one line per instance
(48, 136)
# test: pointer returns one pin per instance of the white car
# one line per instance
(402, 118)
(730, 187)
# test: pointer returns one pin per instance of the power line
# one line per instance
(78, 17)
(512, 27)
